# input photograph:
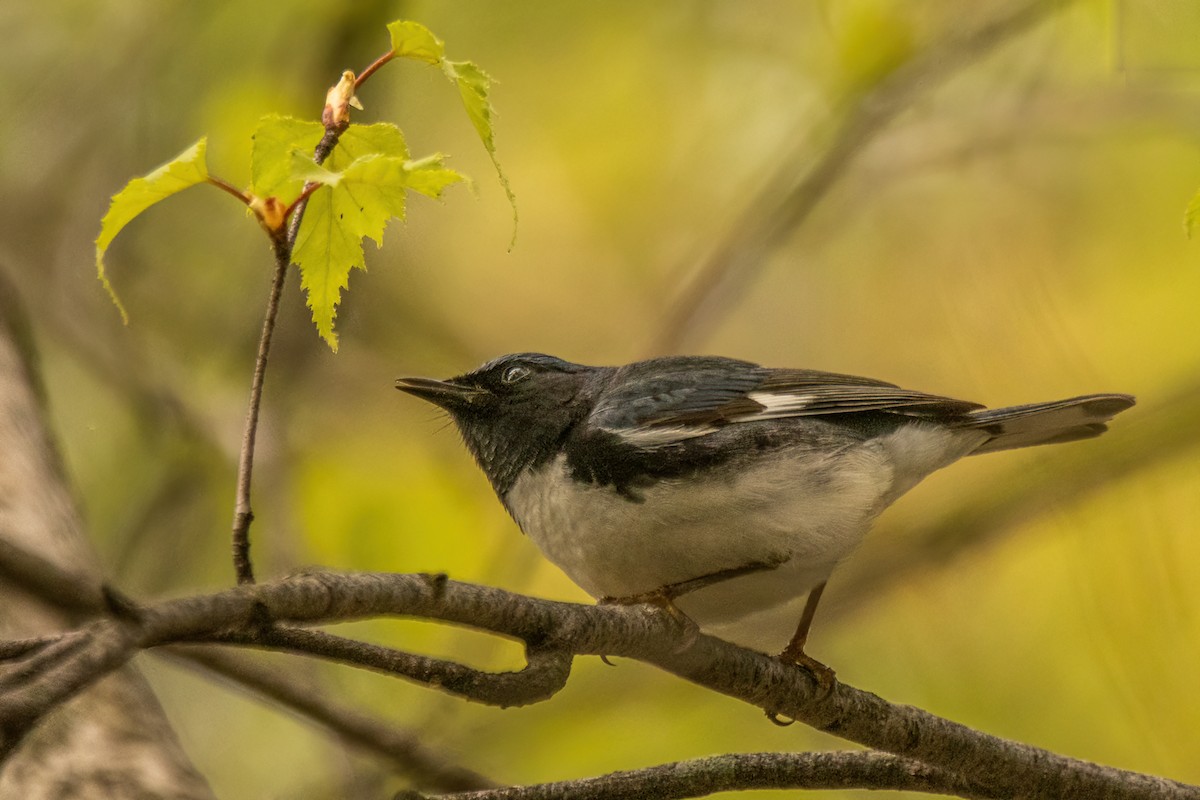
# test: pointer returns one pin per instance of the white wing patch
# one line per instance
(776, 405)
(659, 436)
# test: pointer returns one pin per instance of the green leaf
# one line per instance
(366, 188)
(307, 170)
(186, 169)
(429, 177)
(373, 186)
(325, 251)
(272, 166)
(1191, 217)
(414, 40)
(474, 86)
(358, 141)
(382, 138)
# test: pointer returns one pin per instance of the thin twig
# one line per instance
(243, 514)
(370, 70)
(228, 187)
(545, 673)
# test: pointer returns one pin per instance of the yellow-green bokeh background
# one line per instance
(1015, 236)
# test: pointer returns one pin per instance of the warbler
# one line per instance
(723, 489)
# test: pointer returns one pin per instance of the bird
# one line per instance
(724, 491)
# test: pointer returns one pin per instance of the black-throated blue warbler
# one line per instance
(725, 489)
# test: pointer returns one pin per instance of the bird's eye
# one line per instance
(514, 374)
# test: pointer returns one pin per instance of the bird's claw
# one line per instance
(822, 674)
(664, 600)
(776, 719)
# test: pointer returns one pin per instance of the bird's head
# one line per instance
(513, 411)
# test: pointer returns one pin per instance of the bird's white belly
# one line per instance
(803, 513)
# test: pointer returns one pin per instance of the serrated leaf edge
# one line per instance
(195, 154)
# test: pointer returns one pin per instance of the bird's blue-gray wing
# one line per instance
(668, 401)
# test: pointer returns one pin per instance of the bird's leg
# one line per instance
(794, 652)
(664, 596)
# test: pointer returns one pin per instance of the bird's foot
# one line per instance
(776, 719)
(823, 675)
(662, 598)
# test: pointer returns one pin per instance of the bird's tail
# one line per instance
(1046, 423)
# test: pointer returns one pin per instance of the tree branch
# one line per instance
(545, 673)
(81, 595)
(741, 771)
(647, 634)
(113, 739)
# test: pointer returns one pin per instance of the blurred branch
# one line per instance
(1006, 768)
(75, 593)
(786, 202)
(81, 595)
(741, 771)
(1063, 476)
(112, 739)
(399, 747)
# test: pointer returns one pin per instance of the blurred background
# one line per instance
(996, 218)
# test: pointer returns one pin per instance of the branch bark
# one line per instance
(80, 596)
(741, 771)
(1006, 768)
(112, 739)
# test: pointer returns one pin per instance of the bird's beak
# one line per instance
(448, 395)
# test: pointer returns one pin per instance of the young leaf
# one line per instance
(272, 167)
(186, 169)
(307, 170)
(370, 192)
(367, 183)
(414, 40)
(325, 253)
(429, 177)
(383, 138)
(474, 85)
